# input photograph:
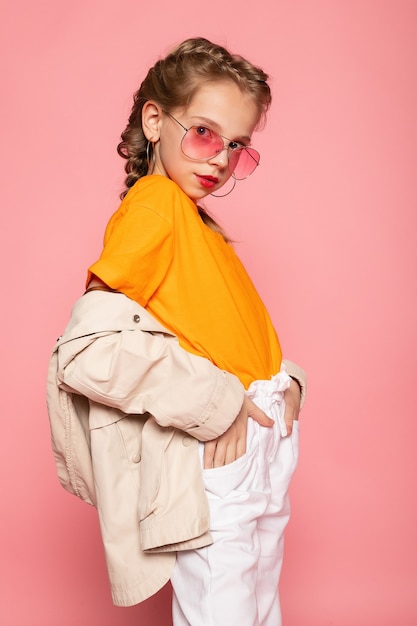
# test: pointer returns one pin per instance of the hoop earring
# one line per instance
(150, 155)
(216, 195)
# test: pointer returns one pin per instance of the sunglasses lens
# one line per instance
(242, 163)
(201, 143)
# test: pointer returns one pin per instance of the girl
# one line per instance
(189, 134)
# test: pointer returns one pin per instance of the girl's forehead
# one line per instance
(226, 105)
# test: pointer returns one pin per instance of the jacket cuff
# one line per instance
(298, 374)
(222, 410)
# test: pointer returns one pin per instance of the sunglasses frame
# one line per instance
(240, 147)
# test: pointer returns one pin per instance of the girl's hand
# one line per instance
(232, 443)
(292, 397)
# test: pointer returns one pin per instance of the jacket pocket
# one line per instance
(172, 502)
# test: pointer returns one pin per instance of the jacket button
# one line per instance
(136, 318)
(136, 458)
(187, 441)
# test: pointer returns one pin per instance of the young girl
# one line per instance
(189, 135)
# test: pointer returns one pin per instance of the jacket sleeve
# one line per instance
(139, 372)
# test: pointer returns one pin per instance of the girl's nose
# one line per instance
(221, 158)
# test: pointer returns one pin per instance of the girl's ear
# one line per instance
(151, 118)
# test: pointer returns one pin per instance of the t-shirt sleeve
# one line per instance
(138, 249)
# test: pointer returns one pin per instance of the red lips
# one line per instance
(207, 181)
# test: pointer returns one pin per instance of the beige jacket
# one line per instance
(127, 407)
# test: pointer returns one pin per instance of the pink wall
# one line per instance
(327, 228)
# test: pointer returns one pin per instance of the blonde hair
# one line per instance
(173, 81)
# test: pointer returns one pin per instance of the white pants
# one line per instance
(234, 581)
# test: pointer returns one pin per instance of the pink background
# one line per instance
(327, 229)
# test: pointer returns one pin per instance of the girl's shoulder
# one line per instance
(157, 193)
(155, 185)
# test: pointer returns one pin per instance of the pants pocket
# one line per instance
(220, 481)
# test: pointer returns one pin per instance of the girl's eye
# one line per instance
(202, 131)
(233, 145)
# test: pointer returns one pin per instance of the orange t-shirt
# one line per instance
(158, 251)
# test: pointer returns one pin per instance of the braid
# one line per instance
(133, 146)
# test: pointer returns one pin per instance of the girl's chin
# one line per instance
(196, 196)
